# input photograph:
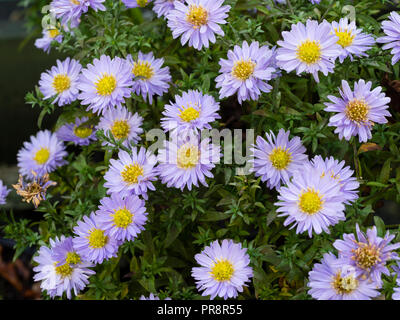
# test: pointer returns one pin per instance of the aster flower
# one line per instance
(149, 78)
(122, 125)
(351, 39)
(136, 3)
(224, 269)
(310, 201)
(197, 21)
(131, 174)
(163, 7)
(247, 72)
(396, 294)
(186, 162)
(4, 191)
(49, 35)
(122, 218)
(35, 190)
(277, 159)
(315, 1)
(391, 28)
(342, 174)
(191, 111)
(91, 241)
(58, 277)
(329, 280)
(368, 253)
(105, 83)
(79, 132)
(152, 297)
(357, 110)
(43, 154)
(309, 48)
(61, 82)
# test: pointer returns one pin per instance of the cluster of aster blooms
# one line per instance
(312, 193)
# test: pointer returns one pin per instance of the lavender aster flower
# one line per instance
(122, 125)
(122, 218)
(152, 297)
(91, 241)
(396, 294)
(247, 72)
(392, 39)
(3, 192)
(224, 269)
(78, 132)
(131, 174)
(163, 7)
(136, 3)
(149, 78)
(329, 280)
(351, 39)
(105, 83)
(357, 110)
(43, 154)
(186, 162)
(61, 82)
(48, 36)
(197, 21)
(310, 48)
(311, 202)
(368, 253)
(277, 159)
(191, 111)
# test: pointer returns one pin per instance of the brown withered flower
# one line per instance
(35, 190)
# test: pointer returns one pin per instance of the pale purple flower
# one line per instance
(79, 132)
(152, 297)
(197, 21)
(391, 28)
(224, 269)
(396, 269)
(358, 110)
(136, 3)
(4, 191)
(163, 7)
(49, 35)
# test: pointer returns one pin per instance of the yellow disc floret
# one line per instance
(131, 173)
(189, 114)
(53, 33)
(197, 16)
(310, 201)
(97, 239)
(309, 52)
(143, 70)
(64, 270)
(142, 3)
(122, 217)
(61, 82)
(222, 270)
(82, 132)
(188, 156)
(73, 258)
(42, 155)
(76, 2)
(366, 255)
(357, 111)
(344, 285)
(280, 158)
(120, 129)
(243, 70)
(345, 37)
(106, 85)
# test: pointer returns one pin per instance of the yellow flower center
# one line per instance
(82, 132)
(344, 285)
(64, 271)
(143, 69)
(42, 155)
(345, 37)
(357, 111)
(188, 156)
(120, 129)
(142, 3)
(280, 158)
(189, 114)
(76, 2)
(73, 258)
(122, 218)
(310, 201)
(197, 16)
(131, 173)
(106, 85)
(309, 52)
(243, 70)
(366, 256)
(61, 82)
(97, 239)
(53, 33)
(222, 270)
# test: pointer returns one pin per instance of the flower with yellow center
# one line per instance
(189, 114)
(309, 52)
(188, 156)
(346, 38)
(97, 238)
(82, 131)
(120, 129)
(42, 155)
(310, 201)
(280, 158)
(197, 16)
(243, 69)
(366, 256)
(143, 70)
(106, 85)
(131, 173)
(357, 111)
(122, 217)
(61, 82)
(344, 285)
(222, 270)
